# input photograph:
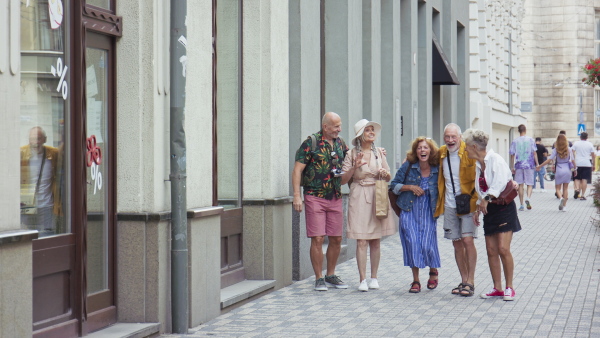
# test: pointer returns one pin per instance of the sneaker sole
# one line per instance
(320, 289)
(329, 285)
(528, 205)
(508, 299)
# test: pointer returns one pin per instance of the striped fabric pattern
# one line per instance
(418, 233)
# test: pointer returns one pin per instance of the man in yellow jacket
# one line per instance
(40, 201)
(457, 177)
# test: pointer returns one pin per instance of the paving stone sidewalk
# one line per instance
(557, 272)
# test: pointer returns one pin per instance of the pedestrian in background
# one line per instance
(597, 164)
(457, 177)
(499, 221)
(562, 132)
(542, 154)
(564, 165)
(523, 161)
(585, 156)
(416, 183)
(364, 165)
(318, 168)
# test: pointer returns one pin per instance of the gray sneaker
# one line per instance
(334, 281)
(320, 285)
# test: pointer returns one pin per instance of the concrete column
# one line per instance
(266, 119)
(448, 41)
(305, 106)
(389, 81)
(343, 62)
(425, 88)
(15, 258)
(371, 53)
(9, 135)
(409, 71)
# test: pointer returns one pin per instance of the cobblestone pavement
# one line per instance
(557, 272)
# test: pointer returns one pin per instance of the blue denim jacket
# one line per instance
(406, 198)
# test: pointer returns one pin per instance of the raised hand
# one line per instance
(359, 161)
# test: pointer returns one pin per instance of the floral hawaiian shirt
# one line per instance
(317, 178)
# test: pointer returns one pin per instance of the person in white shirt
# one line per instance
(585, 155)
(500, 221)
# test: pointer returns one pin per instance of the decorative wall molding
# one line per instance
(98, 20)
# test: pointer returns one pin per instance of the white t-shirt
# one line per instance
(43, 197)
(583, 151)
(450, 201)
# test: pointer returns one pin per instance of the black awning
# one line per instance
(442, 72)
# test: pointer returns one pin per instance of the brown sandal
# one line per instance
(456, 290)
(467, 292)
(432, 283)
(415, 287)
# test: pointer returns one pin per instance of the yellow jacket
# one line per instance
(52, 154)
(466, 174)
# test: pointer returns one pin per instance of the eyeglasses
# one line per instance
(335, 158)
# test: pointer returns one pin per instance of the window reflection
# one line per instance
(44, 89)
(228, 115)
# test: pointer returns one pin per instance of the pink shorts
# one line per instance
(323, 217)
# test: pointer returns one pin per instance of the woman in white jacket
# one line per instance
(499, 221)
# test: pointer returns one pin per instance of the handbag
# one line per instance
(463, 201)
(508, 194)
(382, 202)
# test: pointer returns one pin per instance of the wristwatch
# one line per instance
(488, 198)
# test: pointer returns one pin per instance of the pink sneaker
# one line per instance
(493, 293)
(509, 294)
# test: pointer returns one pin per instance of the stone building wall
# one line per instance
(558, 39)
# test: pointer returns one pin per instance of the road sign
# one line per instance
(580, 129)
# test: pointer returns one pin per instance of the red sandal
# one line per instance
(415, 287)
(432, 283)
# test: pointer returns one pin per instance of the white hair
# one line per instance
(453, 125)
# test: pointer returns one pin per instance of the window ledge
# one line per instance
(16, 236)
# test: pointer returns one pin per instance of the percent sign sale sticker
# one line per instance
(61, 71)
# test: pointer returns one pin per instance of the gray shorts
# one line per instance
(457, 227)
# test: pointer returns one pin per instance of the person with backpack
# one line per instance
(318, 169)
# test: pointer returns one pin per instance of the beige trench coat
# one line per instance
(362, 223)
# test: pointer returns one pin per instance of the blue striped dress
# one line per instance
(418, 233)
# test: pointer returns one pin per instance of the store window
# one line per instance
(99, 3)
(45, 79)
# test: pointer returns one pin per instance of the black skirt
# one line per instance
(501, 218)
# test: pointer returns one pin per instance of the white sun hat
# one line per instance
(360, 126)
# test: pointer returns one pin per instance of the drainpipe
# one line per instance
(179, 249)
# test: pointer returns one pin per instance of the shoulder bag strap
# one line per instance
(406, 173)
(450, 168)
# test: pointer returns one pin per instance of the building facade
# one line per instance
(559, 38)
(495, 95)
(85, 208)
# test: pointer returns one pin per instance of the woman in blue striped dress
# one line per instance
(415, 184)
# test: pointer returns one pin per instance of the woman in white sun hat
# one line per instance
(366, 164)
